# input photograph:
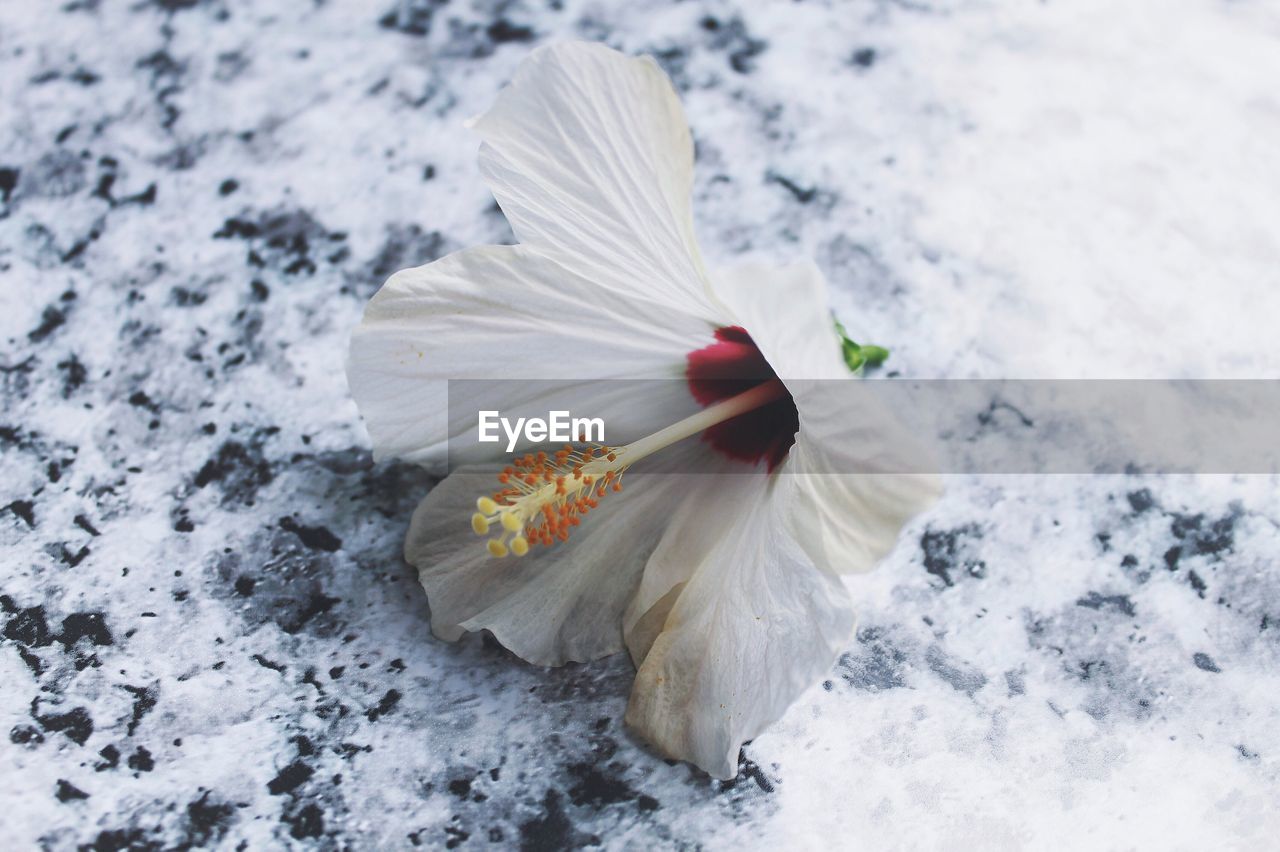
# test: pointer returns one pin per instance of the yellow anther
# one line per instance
(548, 495)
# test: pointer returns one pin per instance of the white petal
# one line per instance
(851, 453)
(784, 309)
(848, 523)
(710, 509)
(555, 605)
(643, 624)
(589, 155)
(848, 468)
(502, 312)
(755, 625)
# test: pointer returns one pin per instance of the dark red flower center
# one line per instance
(728, 367)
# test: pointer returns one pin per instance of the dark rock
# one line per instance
(1205, 663)
(290, 778)
(68, 792)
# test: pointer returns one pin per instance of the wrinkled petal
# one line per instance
(589, 155)
(846, 520)
(506, 312)
(851, 453)
(755, 625)
(710, 509)
(643, 624)
(784, 309)
(847, 523)
(557, 604)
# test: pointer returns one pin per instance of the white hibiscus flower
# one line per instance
(725, 587)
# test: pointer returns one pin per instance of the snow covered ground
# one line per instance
(208, 634)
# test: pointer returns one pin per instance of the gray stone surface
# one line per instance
(209, 637)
